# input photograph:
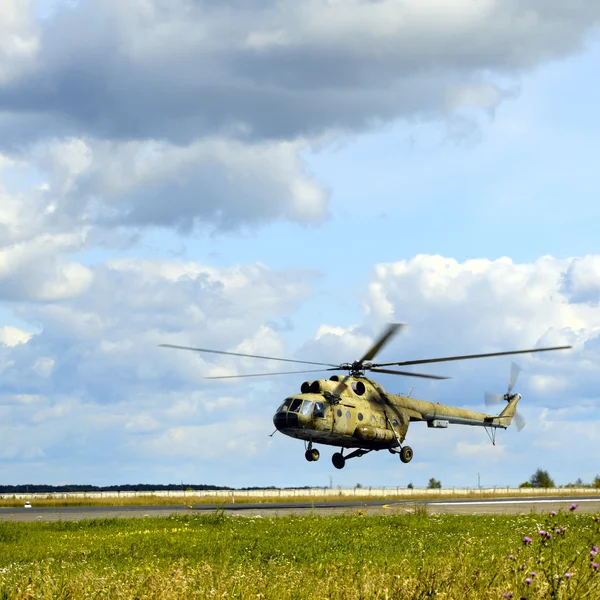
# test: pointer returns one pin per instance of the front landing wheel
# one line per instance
(406, 454)
(308, 455)
(314, 454)
(338, 460)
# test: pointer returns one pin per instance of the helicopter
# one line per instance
(353, 412)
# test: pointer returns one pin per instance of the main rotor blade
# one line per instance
(305, 362)
(407, 374)
(385, 337)
(515, 369)
(468, 356)
(267, 374)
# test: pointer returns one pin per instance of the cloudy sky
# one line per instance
(285, 178)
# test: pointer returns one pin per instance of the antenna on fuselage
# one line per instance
(410, 392)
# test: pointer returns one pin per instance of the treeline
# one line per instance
(139, 487)
(542, 479)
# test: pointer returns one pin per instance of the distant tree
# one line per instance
(526, 484)
(434, 484)
(596, 483)
(541, 479)
(410, 486)
(358, 486)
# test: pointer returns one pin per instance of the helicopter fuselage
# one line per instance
(356, 412)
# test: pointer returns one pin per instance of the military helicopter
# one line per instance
(355, 412)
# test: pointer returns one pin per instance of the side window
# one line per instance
(306, 408)
(319, 410)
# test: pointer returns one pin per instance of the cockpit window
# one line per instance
(306, 408)
(285, 405)
(319, 410)
(295, 405)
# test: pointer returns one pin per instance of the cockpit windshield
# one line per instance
(304, 407)
(286, 404)
(296, 402)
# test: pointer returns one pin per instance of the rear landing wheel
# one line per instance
(315, 454)
(338, 460)
(308, 455)
(406, 454)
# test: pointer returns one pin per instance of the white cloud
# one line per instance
(95, 186)
(11, 336)
(19, 41)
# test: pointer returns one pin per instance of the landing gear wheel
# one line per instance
(406, 454)
(308, 455)
(338, 460)
(314, 454)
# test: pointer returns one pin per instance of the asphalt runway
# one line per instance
(458, 506)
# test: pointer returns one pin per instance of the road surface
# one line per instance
(492, 506)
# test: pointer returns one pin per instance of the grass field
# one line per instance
(346, 557)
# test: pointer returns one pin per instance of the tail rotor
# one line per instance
(491, 399)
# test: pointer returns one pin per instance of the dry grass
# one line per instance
(155, 500)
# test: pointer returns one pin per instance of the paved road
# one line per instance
(499, 506)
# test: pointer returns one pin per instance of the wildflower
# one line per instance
(511, 557)
(528, 580)
(553, 513)
(595, 566)
(592, 553)
(533, 574)
(573, 506)
(568, 575)
(527, 540)
(543, 533)
(595, 548)
(507, 595)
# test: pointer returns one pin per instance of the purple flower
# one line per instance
(595, 566)
(553, 513)
(592, 553)
(573, 506)
(533, 574)
(543, 533)
(595, 548)
(568, 575)
(511, 557)
(548, 536)
(528, 580)
(527, 540)
(507, 595)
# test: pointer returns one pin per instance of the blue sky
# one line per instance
(256, 199)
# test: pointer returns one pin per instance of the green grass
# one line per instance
(347, 557)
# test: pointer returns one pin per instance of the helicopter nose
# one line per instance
(285, 420)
